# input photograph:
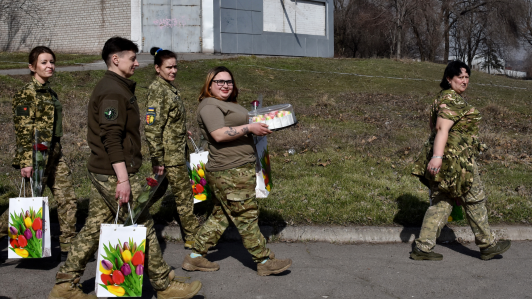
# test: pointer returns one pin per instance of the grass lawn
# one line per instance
(355, 142)
(19, 60)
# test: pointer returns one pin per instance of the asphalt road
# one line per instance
(319, 270)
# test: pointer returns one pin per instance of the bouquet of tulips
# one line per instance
(266, 169)
(199, 184)
(39, 163)
(122, 268)
(25, 233)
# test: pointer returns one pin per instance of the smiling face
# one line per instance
(459, 83)
(125, 63)
(224, 91)
(44, 67)
(168, 69)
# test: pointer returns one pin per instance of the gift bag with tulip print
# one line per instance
(121, 252)
(196, 172)
(262, 167)
(29, 227)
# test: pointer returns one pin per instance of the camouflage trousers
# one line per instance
(179, 181)
(474, 204)
(102, 209)
(235, 202)
(58, 178)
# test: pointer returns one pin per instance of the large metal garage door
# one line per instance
(172, 24)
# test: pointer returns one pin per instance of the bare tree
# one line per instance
(402, 11)
(24, 22)
(427, 29)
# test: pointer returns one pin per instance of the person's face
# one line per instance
(167, 70)
(221, 89)
(125, 62)
(44, 68)
(459, 83)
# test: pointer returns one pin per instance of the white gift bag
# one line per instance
(29, 227)
(262, 167)
(121, 256)
(196, 172)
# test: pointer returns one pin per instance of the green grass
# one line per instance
(355, 142)
(19, 60)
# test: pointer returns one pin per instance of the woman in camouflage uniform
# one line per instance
(231, 173)
(447, 165)
(166, 134)
(36, 108)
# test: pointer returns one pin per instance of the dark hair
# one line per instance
(160, 55)
(115, 45)
(453, 69)
(34, 55)
(205, 91)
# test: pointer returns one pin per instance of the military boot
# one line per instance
(499, 248)
(68, 291)
(419, 255)
(180, 290)
(273, 266)
(199, 264)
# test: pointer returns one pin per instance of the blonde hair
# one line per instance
(205, 90)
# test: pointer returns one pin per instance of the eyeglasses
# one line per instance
(223, 82)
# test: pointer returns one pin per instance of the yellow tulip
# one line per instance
(450, 219)
(28, 222)
(102, 270)
(201, 173)
(200, 197)
(268, 188)
(21, 252)
(126, 256)
(116, 290)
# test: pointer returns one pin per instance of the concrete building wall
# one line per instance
(70, 26)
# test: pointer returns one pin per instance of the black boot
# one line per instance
(499, 248)
(419, 255)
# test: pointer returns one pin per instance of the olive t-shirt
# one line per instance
(214, 114)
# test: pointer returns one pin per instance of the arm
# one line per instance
(227, 134)
(158, 104)
(24, 118)
(442, 133)
(123, 189)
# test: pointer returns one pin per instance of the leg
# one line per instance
(179, 181)
(60, 183)
(211, 231)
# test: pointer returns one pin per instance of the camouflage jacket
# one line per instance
(456, 174)
(33, 109)
(165, 127)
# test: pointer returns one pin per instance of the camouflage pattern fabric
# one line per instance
(58, 178)
(179, 181)
(244, 212)
(165, 126)
(33, 109)
(102, 209)
(456, 174)
(474, 204)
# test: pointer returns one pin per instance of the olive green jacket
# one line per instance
(33, 110)
(165, 129)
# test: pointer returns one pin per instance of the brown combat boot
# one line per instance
(199, 264)
(68, 291)
(180, 290)
(499, 248)
(273, 266)
(189, 244)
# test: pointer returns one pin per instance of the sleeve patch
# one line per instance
(109, 110)
(150, 116)
(23, 111)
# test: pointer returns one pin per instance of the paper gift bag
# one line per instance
(262, 167)
(29, 227)
(120, 267)
(196, 172)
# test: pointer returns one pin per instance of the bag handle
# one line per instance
(194, 144)
(23, 186)
(118, 210)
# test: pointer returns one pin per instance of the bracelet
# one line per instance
(120, 182)
(437, 157)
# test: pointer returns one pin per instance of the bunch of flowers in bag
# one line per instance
(199, 184)
(266, 169)
(25, 233)
(122, 268)
(39, 163)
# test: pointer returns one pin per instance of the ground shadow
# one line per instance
(411, 210)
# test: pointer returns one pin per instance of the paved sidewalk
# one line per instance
(319, 270)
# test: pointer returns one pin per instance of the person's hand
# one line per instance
(434, 165)
(123, 191)
(26, 172)
(158, 170)
(259, 129)
(189, 134)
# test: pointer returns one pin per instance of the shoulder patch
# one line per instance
(109, 110)
(23, 110)
(110, 113)
(150, 116)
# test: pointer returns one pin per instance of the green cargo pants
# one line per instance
(180, 183)
(235, 202)
(102, 209)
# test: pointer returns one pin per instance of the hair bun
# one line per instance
(154, 50)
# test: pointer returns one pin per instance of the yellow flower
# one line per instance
(28, 222)
(21, 252)
(201, 173)
(116, 290)
(268, 188)
(200, 197)
(126, 256)
(102, 270)
(450, 219)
